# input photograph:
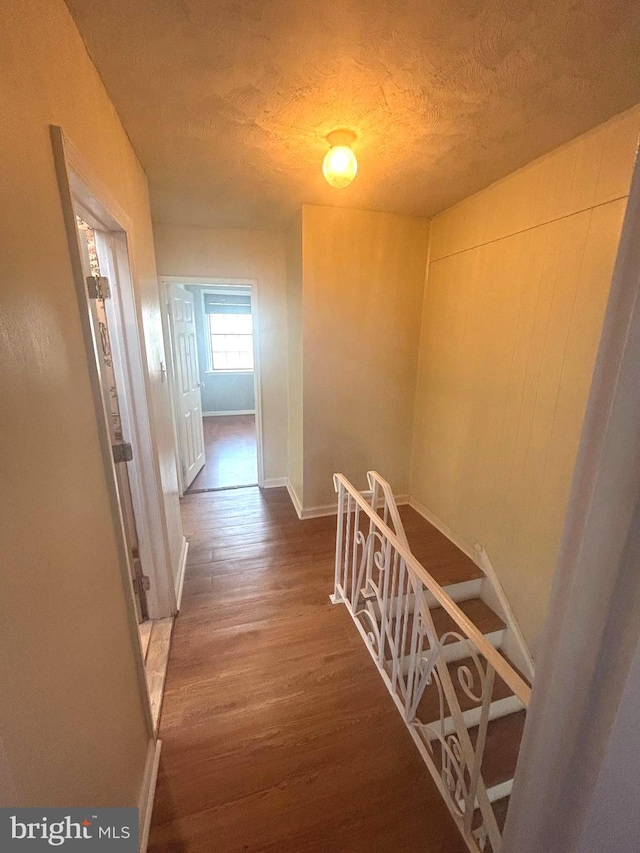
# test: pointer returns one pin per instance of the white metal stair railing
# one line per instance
(388, 594)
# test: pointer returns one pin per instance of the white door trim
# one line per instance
(167, 280)
(88, 193)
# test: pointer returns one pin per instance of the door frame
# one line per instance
(252, 283)
(81, 188)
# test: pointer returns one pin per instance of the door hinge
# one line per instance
(122, 452)
(141, 584)
(98, 287)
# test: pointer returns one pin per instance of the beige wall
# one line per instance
(363, 281)
(72, 727)
(517, 285)
(295, 354)
(209, 253)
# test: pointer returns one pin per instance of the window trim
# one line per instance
(230, 291)
(231, 372)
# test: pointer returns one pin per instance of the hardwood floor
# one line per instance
(278, 733)
(230, 451)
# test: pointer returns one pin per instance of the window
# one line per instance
(231, 341)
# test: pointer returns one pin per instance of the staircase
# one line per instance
(448, 650)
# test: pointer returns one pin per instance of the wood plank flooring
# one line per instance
(278, 733)
(230, 451)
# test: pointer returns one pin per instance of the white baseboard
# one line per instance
(515, 645)
(319, 511)
(402, 500)
(295, 500)
(148, 791)
(181, 572)
(332, 509)
(223, 414)
(328, 509)
(275, 483)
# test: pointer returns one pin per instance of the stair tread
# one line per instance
(440, 557)
(500, 808)
(482, 616)
(501, 748)
(429, 708)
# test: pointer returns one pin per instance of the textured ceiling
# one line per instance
(227, 102)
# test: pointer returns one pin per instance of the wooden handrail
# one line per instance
(506, 672)
(391, 504)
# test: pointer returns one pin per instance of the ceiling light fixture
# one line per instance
(340, 164)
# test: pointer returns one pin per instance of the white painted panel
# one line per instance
(188, 401)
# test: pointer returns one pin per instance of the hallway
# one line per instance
(277, 732)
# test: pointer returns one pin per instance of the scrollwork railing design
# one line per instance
(442, 683)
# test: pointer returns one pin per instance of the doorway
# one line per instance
(230, 447)
(98, 233)
(212, 330)
(99, 268)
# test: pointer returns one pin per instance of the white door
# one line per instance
(187, 381)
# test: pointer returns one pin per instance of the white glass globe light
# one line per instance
(340, 166)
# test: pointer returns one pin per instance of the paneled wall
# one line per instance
(517, 284)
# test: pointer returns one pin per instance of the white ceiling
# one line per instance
(227, 102)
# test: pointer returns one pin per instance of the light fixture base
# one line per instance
(341, 137)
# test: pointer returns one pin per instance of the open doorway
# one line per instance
(212, 329)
